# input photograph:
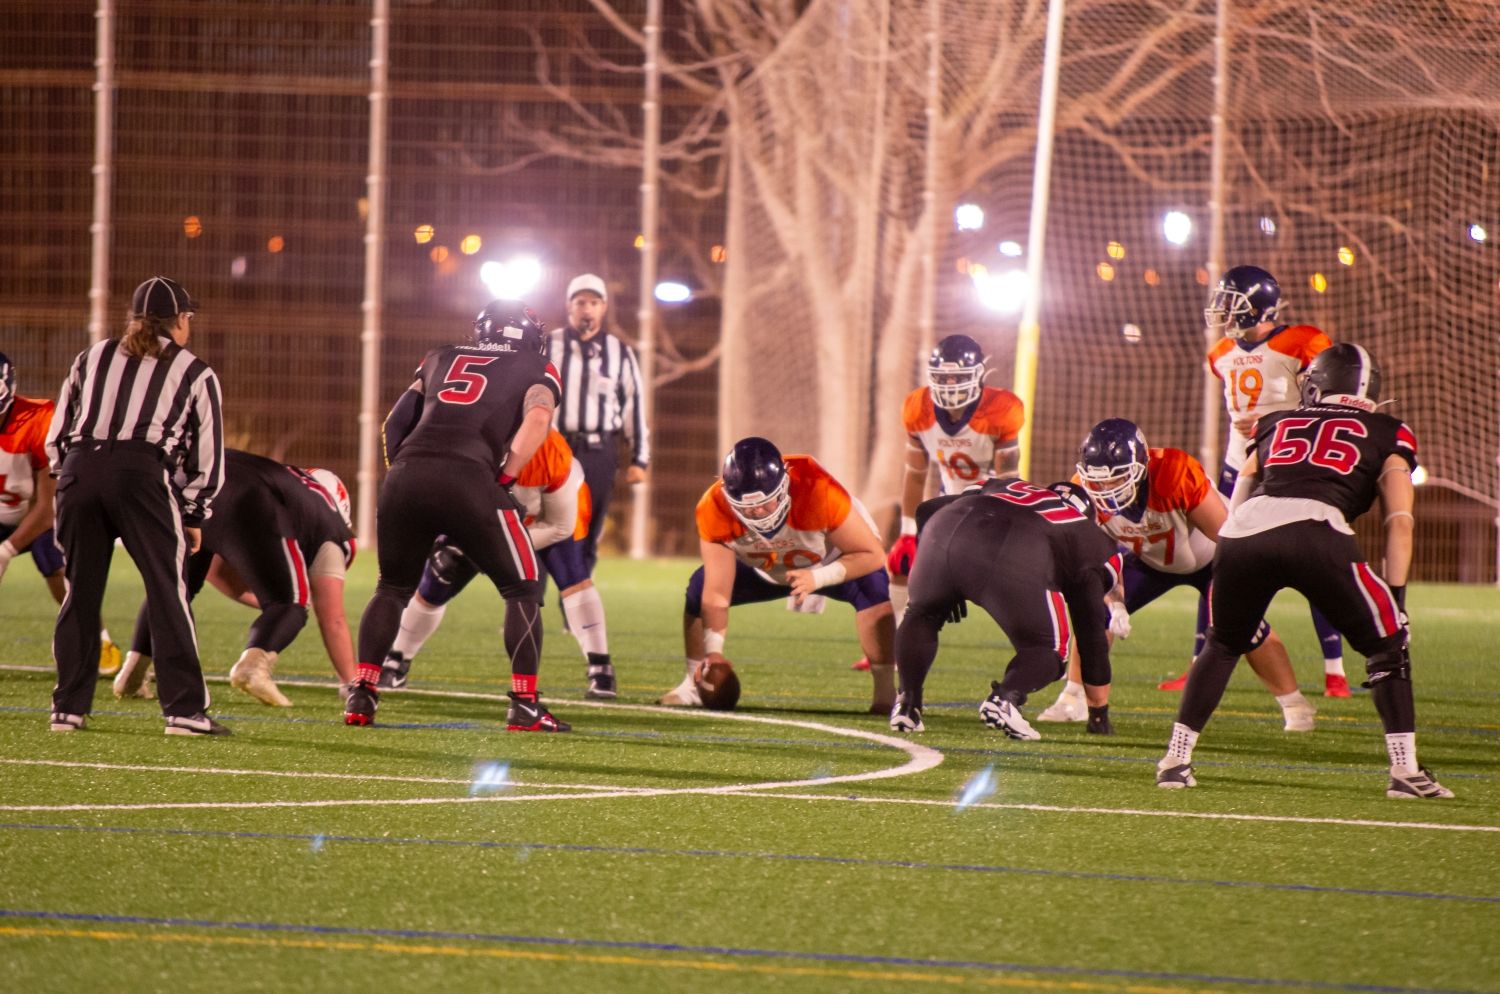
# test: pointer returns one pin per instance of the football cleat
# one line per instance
(532, 716)
(601, 683)
(251, 674)
(363, 701)
(1067, 707)
(1335, 685)
(394, 672)
(109, 658)
(684, 695)
(1414, 786)
(906, 717)
(997, 712)
(64, 722)
(1176, 683)
(199, 724)
(1300, 717)
(131, 680)
(1099, 724)
(1174, 776)
(862, 664)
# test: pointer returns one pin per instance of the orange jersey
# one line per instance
(23, 451)
(966, 456)
(552, 475)
(819, 505)
(1164, 539)
(1262, 377)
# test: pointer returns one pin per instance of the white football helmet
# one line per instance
(333, 487)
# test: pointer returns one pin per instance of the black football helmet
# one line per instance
(1074, 496)
(1343, 374)
(757, 485)
(1112, 462)
(7, 386)
(1245, 296)
(955, 372)
(511, 321)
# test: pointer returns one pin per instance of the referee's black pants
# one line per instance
(122, 490)
(600, 464)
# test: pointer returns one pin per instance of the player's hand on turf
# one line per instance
(1119, 621)
(802, 583)
(902, 554)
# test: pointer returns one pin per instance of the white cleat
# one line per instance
(1067, 707)
(252, 675)
(684, 695)
(1406, 787)
(1300, 717)
(131, 681)
(997, 712)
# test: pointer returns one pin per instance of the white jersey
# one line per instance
(966, 454)
(1164, 538)
(1261, 377)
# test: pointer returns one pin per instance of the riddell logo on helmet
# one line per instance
(491, 346)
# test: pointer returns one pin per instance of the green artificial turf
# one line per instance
(636, 854)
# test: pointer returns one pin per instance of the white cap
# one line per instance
(588, 281)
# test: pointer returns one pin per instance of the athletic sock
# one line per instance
(1402, 748)
(1334, 666)
(899, 597)
(585, 613)
(1291, 701)
(523, 685)
(1180, 748)
(418, 622)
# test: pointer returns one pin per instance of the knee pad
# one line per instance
(1387, 665)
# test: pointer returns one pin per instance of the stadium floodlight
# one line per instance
(511, 280)
(1477, 232)
(672, 292)
(969, 217)
(1012, 249)
(1004, 292)
(1176, 227)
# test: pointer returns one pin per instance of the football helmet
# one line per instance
(334, 488)
(7, 386)
(1245, 296)
(756, 485)
(1112, 463)
(1073, 495)
(955, 372)
(511, 321)
(1343, 374)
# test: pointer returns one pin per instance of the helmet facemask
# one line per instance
(955, 386)
(1112, 489)
(1231, 313)
(760, 511)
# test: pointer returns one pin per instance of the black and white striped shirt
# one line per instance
(171, 402)
(601, 384)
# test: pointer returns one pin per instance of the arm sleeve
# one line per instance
(632, 410)
(404, 415)
(204, 465)
(328, 562)
(63, 415)
(559, 511)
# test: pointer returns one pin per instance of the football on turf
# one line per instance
(718, 686)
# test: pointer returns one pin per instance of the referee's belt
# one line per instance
(588, 440)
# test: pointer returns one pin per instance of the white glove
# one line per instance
(1119, 621)
(7, 553)
(811, 604)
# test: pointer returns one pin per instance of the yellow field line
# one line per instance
(413, 949)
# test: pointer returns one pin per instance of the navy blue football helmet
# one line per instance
(1245, 296)
(1112, 463)
(7, 386)
(955, 372)
(1343, 374)
(511, 321)
(756, 484)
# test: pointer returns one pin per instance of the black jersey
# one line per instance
(472, 397)
(1079, 546)
(304, 511)
(1331, 454)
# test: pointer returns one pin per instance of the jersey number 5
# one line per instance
(1322, 443)
(461, 386)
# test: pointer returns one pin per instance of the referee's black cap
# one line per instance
(162, 297)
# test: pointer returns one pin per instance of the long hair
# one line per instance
(143, 335)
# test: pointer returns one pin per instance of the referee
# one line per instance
(601, 381)
(137, 446)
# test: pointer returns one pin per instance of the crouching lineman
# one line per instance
(1312, 471)
(557, 505)
(1032, 558)
(1158, 503)
(769, 524)
(279, 540)
(26, 492)
(455, 441)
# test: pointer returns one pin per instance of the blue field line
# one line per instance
(735, 951)
(324, 839)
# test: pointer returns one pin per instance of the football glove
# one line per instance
(902, 553)
(1119, 621)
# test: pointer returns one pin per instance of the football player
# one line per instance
(279, 541)
(1259, 360)
(1032, 558)
(1157, 503)
(556, 499)
(970, 430)
(26, 492)
(1309, 474)
(772, 526)
(456, 440)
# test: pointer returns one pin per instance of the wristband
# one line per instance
(1400, 594)
(713, 641)
(908, 525)
(828, 574)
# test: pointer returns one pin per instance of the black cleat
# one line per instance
(359, 709)
(532, 716)
(394, 672)
(1099, 723)
(198, 724)
(906, 717)
(601, 682)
